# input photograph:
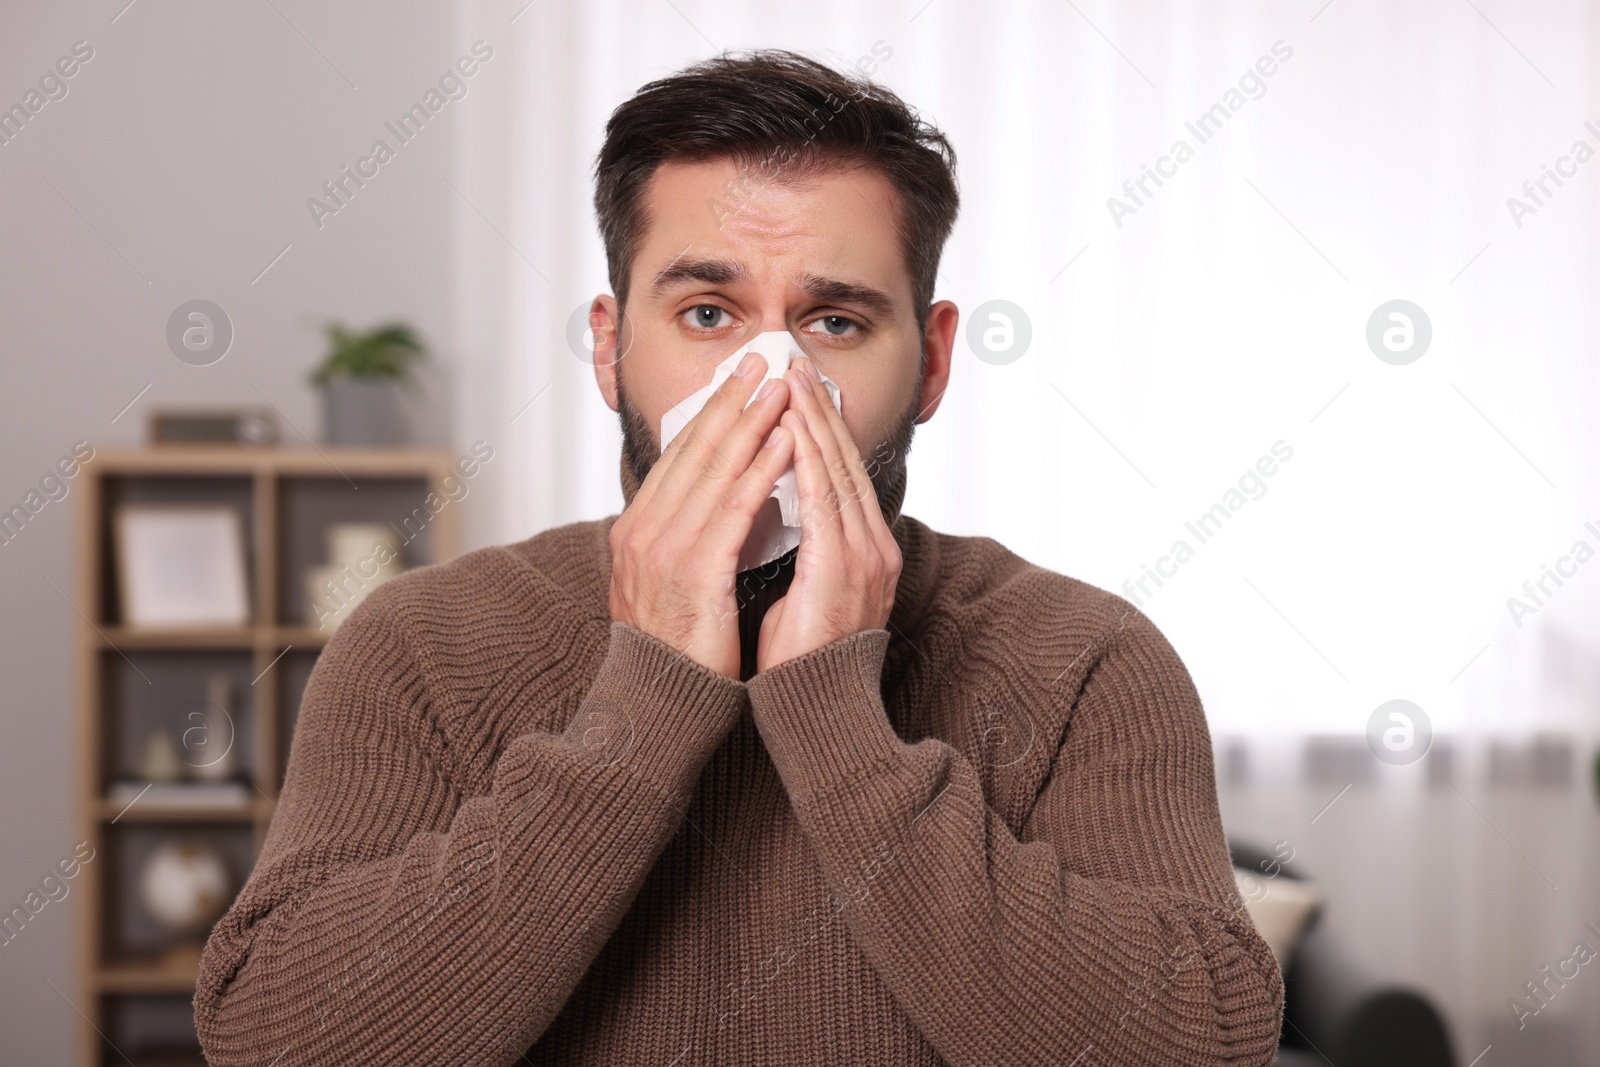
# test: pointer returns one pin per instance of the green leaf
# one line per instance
(387, 351)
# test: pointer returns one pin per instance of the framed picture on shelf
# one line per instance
(181, 565)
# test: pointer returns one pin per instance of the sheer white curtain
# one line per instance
(1339, 156)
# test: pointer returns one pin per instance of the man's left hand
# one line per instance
(849, 562)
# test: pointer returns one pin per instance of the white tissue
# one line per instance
(776, 529)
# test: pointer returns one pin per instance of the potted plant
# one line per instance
(361, 380)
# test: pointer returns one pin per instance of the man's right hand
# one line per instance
(675, 549)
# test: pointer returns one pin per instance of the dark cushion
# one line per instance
(1336, 1010)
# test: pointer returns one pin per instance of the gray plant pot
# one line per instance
(357, 412)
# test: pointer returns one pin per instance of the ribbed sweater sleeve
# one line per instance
(390, 920)
(1107, 931)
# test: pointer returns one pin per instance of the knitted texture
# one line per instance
(985, 834)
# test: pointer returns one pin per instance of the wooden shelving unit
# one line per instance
(134, 995)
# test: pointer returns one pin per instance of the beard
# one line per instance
(885, 462)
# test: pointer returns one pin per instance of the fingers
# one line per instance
(842, 463)
(867, 495)
(658, 470)
(829, 413)
(671, 571)
(700, 449)
(819, 500)
(730, 525)
(856, 565)
(723, 465)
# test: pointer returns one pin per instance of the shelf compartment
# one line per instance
(129, 932)
(308, 506)
(146, 690)
(235, 492)
(149, 1029)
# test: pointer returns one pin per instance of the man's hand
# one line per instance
(675, 549)
(849, 562)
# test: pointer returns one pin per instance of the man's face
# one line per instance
(727, 255)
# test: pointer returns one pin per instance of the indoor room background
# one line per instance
(1317, 391)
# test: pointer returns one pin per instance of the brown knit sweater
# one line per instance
(516, 831)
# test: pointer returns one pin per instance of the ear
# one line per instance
(941, 338)
(605, 323)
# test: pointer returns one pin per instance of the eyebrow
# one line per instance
(833, 291)
(727, 272)
(709, 271)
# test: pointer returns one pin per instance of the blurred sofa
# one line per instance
(1337, 1012)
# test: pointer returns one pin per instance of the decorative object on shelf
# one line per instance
(361, 381)
(361, 557)
(208, 739)
(253, 427)
(159, 761)
(198, 769)
(181, 565)
(185, 885)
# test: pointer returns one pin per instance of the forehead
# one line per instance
(837, 220)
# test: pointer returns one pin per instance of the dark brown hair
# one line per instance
(779, 115)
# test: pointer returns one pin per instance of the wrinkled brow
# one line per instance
(727, 272)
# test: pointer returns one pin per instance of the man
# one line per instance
(898, 798)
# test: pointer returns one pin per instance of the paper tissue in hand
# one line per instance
(776, 529)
